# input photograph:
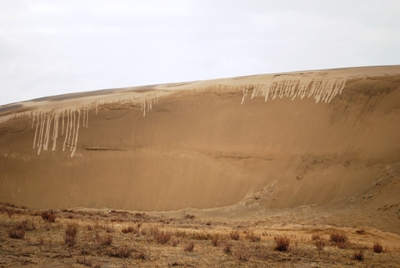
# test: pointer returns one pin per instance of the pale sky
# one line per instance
(54, 47)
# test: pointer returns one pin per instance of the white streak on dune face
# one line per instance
(47, 119)
(322, 90)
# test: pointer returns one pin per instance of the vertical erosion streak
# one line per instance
(62, 128)
(70, 128)
(84, 114)
(55, 130)
(42, 125)
(47, 132)
(87, 117)
(66, 131)
(320, 90)
(37, 126)
(73, 132)
(77, 132)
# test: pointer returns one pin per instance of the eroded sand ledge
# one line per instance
(249, 143)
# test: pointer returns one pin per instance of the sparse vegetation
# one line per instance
(86, 240)
(359, 256)
(105, 240)
(121, 252)
(253, 237)
(70, 234)
(320, 244)
(339, 238)
(189, 246)
(227, 248)
(129, 229)
(162, 237)
(235, 235)
(282, 243)
(378, 248)
(174, 242)
(47, 216)
(16, 233)
(242, 254)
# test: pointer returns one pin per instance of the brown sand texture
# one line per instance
(237, 147)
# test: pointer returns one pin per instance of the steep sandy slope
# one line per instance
(318, 137)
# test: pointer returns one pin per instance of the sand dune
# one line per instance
(329, 137)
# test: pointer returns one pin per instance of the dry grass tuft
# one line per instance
(253, 237)
(122, 252)
(130, 229)
(16, 233)
(235, 235)
(320, 244)
(189, 246)
(87, 262)
(162, 237)
(378, 248)
(215, 241)
(242, 254)
(27, 225)
(227, 248)
(282, 243)
(105, 240)
(174, 242)
(70, 234)
(47, 216)
(315, 237)
(359, 256)
(339, 238)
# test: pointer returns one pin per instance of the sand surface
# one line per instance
(312, 147)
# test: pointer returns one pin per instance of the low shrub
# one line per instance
(129, 229)
(253, 237)
(47, 216)
(16, 233)
(339, 238)
(27, 225)
(315, 237)
(105, 240)
(122, 252)
(242, 254)
(282, 243)
(235, 235)
(70, 234)
(359, 256)
(214, 242)
(320, 244)
(227, 248)
(162, 237)
(174, 242)
(189, 246)
(342, 245)
(377, 248)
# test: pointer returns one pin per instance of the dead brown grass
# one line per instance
(339, 238)
(235, 235)
(377, 248)
(359, 256)
(162, 237)
(70, 234)
(189, 246)
(121, 252)
(282, 243)
(47, 216)
(72, 240)
(16, 233)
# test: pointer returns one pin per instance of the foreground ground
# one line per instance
(100, 238)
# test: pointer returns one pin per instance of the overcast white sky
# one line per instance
(54, 47)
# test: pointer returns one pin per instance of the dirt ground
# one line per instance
(109, 238)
